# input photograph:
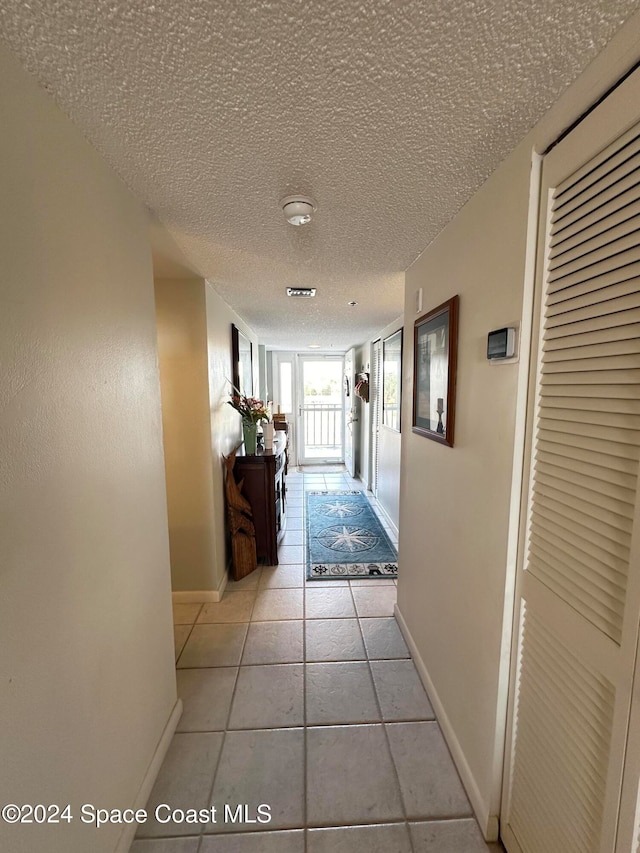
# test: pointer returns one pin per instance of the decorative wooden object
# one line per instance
(362, 386)
(243, 534)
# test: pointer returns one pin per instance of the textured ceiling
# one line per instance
(389, 114)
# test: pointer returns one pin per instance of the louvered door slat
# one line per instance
(589, 416)
(592, 431)
(618, 265)
(617, 221)
(574, 588)
(601, 248)
(610, 156)
(625, 405)
(606, 563)
(608, 362)
(549, 553)
(626, 454)
(599, 457)
(624, 178)
(612, 337)
(619, 495)
(612, 211)
(591, 348)
(592, 291)
(557, 799)
(545, 673)
(612, 314)
(593, 377)
(589, 390)
(598, 528)
(574, 836)
(578, 798)
(596, 205)
(591, 538)
(591, 512)
(607, 477)
(600, 503)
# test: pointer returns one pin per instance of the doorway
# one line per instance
(571, 775)
(320, 410)
(376, 411)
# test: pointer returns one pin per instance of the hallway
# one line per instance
(302, 696)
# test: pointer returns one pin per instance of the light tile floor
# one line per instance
(303, 696)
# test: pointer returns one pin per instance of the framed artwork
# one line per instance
(392, 380)
(242, 362)
(435, 344)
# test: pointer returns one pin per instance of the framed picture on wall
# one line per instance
(392, 380)
(242, 362)
(435, 344)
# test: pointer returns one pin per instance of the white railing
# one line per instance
(322, 428)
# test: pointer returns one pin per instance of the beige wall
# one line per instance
(455, 502)
(194, 342)
(459, 506)
(87, 681)
(226, 426)
(182, 350)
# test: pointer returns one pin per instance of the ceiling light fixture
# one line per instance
(298, 209)
(313, 346)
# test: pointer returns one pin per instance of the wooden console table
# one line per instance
(265, 489)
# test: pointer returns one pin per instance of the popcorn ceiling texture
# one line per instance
(212, 111)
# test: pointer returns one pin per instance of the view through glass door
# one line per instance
(321, 410)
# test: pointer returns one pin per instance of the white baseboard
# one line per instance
(489, 824)
(195, 596)
(128, 833)
(388, 518)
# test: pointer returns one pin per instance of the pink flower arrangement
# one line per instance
(252, 410)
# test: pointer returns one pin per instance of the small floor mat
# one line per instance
(345, 538)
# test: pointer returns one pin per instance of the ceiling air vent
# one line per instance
(303, 292)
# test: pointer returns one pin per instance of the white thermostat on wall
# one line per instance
(501, 343)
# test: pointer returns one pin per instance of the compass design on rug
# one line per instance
(339, 508)
(347, 538)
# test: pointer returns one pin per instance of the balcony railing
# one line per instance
(322, 430)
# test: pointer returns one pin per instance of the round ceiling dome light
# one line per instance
(298, 209)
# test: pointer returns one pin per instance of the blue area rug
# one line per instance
(345, 539)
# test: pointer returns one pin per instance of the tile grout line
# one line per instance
(228, 720)
(193, 625)
(304, 586)
(184, 645)
(384, 727)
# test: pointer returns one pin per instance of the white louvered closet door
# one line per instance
(578, 590)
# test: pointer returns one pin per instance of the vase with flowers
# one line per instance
(252, 412)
